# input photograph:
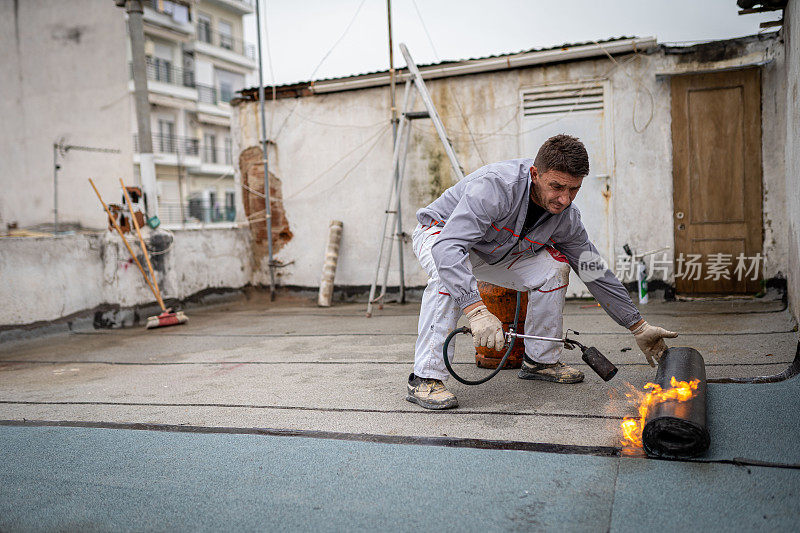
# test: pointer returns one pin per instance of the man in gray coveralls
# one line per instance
(513, 224)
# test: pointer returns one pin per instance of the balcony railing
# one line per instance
(171, 144)
(164, 72)
(193, 212)
(212, 95)
(207, 94)
(225, 40)
(218, 155)
(178, 11)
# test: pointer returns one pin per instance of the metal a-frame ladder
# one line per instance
(392, 219)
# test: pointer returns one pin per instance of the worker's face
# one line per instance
(554, 190)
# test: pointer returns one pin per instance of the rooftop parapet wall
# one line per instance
(48, 278)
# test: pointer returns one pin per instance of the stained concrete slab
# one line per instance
(724, 350)
(559, 429)
(292, 360)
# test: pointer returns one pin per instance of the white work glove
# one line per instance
(651, 341)
(487, 330)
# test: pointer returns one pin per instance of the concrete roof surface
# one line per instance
(364, 458)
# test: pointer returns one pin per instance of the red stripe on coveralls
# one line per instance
(553, 290)
(515, 235)
(556, 254)
(429, 226)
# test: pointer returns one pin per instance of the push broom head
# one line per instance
(167, 318)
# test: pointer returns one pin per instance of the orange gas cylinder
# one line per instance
(502, 303)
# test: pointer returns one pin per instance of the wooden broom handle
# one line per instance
(144, 248)
(127, 245)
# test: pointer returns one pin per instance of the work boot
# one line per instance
(557, 372)
(430, 393)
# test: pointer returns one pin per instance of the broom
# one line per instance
(167, 317)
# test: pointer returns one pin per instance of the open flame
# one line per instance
(632, 427)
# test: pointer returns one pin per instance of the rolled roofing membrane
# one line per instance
(678, 428)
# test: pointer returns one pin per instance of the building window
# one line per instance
(225, 34)
(228, 151)
(159, 69)
(179, 12)
(209, 148)
(166, 136)
(230, 206)
(225, 91)
(203, 28)
(229, 83)
(207, 94)
(213, 207)
(196, 207)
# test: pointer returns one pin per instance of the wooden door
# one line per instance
(716, 154)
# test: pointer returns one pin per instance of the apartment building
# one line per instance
(196, 61)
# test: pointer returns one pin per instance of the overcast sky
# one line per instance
(301, 33)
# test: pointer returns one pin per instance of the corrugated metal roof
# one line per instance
(304, 88)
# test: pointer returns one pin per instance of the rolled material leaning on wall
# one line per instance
(674, 428)
(329, 266)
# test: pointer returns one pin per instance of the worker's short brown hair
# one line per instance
(563, 153)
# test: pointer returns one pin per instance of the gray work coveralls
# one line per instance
(474, 230)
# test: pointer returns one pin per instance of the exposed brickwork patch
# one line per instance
(252, 172)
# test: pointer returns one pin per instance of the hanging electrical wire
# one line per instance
(639, 85)
(328, 53)
(377, 136)
(344, 176)
(361, 160)
(452, 92)
(335, 125)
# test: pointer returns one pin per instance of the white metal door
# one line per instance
(581, 111)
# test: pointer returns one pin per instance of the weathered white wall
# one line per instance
(65, 75)
(791, 37)
(48, 278)
(773, 142)
(325, 157)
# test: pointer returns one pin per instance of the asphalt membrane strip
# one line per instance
(79, 478)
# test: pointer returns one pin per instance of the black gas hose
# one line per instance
(591, 355)
(502, 361)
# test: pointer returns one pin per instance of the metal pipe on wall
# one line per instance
(395, 120)
(56, 166)
(61, 148)
(673, 428)
(267, 207)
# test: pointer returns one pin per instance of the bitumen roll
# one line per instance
(678, 429)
